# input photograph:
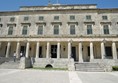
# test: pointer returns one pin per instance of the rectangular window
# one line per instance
(0, 19)
(72, 29)
(24, 30)
(106, 29)
(56, 29)
(88, 17)
(12, 19)
(10, 31)
(56, 17)
(41, 18)
(40, 30)
(72, 17)
(104, 18)
(89, 29)
(26, 18)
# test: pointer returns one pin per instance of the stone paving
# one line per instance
(43, 76)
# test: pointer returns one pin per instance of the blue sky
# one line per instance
(13, 5)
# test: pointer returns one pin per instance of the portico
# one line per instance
(80, 50)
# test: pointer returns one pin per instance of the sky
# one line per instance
(13, 5)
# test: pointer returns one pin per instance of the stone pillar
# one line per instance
(80, 52)
(103, 50)
(27, 50)
(69, 50)
(91, 51)
(0, 44)
(17, 50)
(37, 50)
(48, 50)
(58, 50)
(114, 51)
(8, 48)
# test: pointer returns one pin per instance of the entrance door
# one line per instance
(40, 52)
(108, 51)
(74, 53)
(53, 51)
(23, 50)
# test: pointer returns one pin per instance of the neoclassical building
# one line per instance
(83, 33)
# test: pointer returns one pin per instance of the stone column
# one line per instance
(114, 51)
(69, 50)
(91, 51)
(17, 50)
(48, 50)
(58, 50)
(0, 44)
(27, 50)
(37, 50)
(103, 50)
(80, 52)
(8, 48)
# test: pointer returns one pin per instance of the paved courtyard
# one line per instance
(38, 76)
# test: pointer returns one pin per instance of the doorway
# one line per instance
(108, 51)
(23, 50)
(53, 51)
(40, 52)
(73, 55)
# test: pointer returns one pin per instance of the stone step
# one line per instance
(10, 65)
(92, 67)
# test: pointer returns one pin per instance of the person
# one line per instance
(21, 54)
(14, 55)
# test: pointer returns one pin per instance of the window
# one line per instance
(72, 17)
(0, 19)
(10, 31)
(41, 18)
(72, 29)
(89, 29)
(88, 17)
(40, 30)
(106, 29)
(24, 30)
(56, 17)
(12, 19)
(104, 17)
(26, 18)
(56, 29)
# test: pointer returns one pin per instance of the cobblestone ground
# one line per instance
(38, 76)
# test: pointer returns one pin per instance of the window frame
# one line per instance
(104, 17)
(26, 18)
(89, 29)
(10, 30)
(41, 18)
(25, 31)
(72, 29)
(40, 30)
(72, 17)
(56, 17)
(88, 17)
(106, 29)
(12, 19)
(56, 29)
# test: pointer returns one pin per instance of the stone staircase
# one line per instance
(88, 67)
(10, 64)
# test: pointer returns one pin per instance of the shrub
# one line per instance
(115, 68)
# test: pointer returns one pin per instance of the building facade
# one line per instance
(81, 32)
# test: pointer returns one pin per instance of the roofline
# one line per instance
(61, 5)
(108, 9)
